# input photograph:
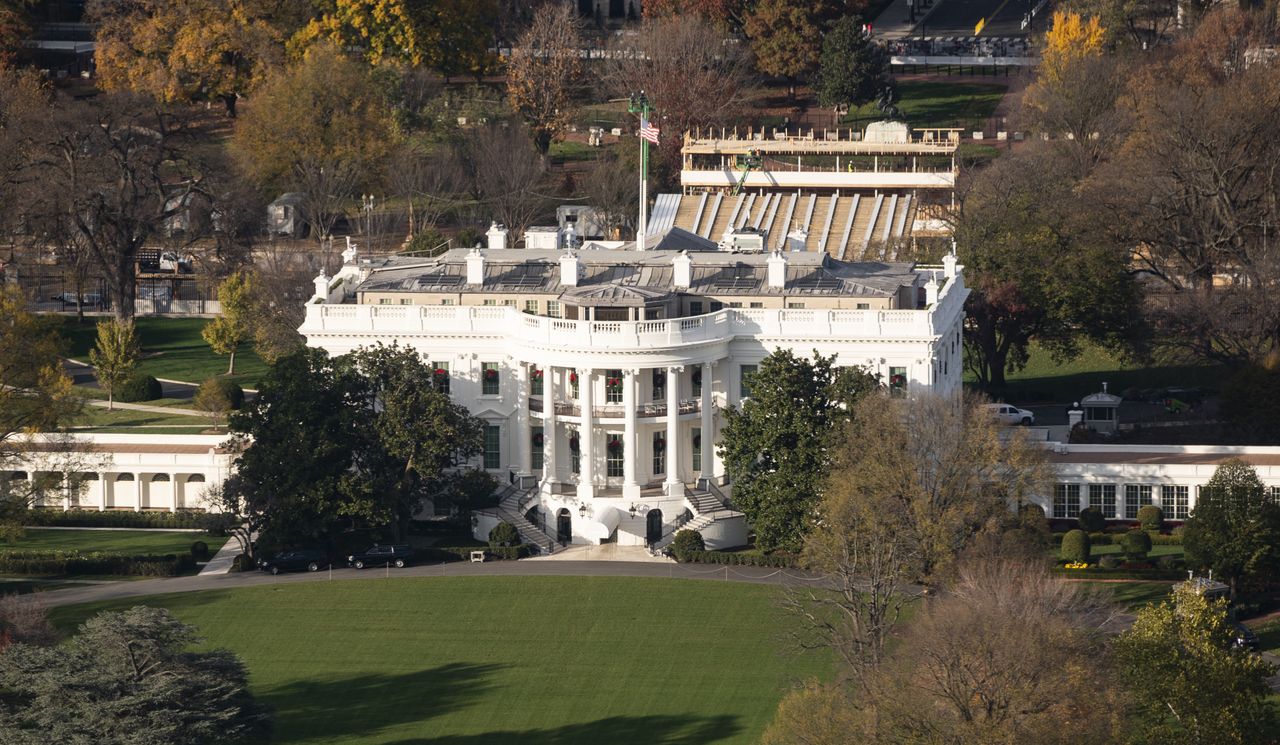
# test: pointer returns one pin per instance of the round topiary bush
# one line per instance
(139, 387)
(1151, 518)
(230, 389)
(200, 550)
(1075, 546)
(1092, 520)
(504, 534)
(1136, 544)
(685, 543)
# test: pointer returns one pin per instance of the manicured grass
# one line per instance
(570, 150)
(927, 103)
(99, 419)
(11, 586)
(1047, 379)
(1135, 595)
(133, 542)
(1156, 551)
(172, 349)
(487, 660)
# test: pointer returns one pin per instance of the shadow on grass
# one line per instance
(363, 704)
(641, 730)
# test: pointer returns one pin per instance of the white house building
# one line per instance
(600, 373)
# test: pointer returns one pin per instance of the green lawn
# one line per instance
(172, 349)
(1156, 551)
(1134, 595)
(1047, 379)
(927, 103)
(120, 541)
(483, 660)
(100, 419)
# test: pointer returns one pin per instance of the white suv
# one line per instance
(1006, 414)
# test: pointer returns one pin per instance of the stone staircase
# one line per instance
(512, 507)
(707, 503)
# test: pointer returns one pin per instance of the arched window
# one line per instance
(124, 477)
(88, 476)
(195, 478)
(159, 477)
(18, 476)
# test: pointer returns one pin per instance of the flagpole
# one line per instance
(640, 105)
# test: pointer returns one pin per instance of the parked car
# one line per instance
(1245, 638)
(1006, 414)
(376, 556)
(70, 298)
(294, 561)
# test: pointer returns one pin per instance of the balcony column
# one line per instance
(104, 489)
(630, 486)
(674, 485)
(548, 427)
(138, 486)
(587, 435)
(524, 431)
(708, 424)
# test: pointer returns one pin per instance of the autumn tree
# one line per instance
(727, 12)
(543, 71)
(1187, 682)
(115, 355)
(15, 26)
(853, 69)
(1070, 37)
(198, 50)
(786, 37)
(429, 182)
(450, 36)
(234, 324)
(506, 172)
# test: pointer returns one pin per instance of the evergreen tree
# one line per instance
(1235, 528)
(854, 69)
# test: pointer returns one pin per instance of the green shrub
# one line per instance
(685, 543)
(200, 551)
(1136, 544)
(72, 563)
(230, 391)
(1166, 540)
(115, 519)
(242, 563)
(504, 534)
(1178, 533)
(139, 387)
(1168, 563)
(1076, 546)
(1151, 518)
(1109, 562)
(1100, 539)
(1092, 520)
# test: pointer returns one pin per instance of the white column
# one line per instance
(587, 436)
(138, 486)
(173, 492)
(708, 424)
(108, 488)
(630, 486)
(675, 487)
(524, 431)
(548, 427)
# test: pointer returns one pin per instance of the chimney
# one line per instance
(475, 267)
(949, 262)
(570, 268)
(497, 236)
(683, 266)
(777, 271)
(322, 286)
(931, 292)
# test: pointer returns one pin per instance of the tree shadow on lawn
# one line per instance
(655, 730)
(363, 704)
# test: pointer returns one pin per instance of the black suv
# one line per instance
(294, 561)
(396, 556)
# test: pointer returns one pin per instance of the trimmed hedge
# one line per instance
(686, 542)
(1092, 521)
(200, 551)
(744, 559)
(1136, 544)
(137, 388)
(72, 563)
(1151, 518)
(115, 519)
(504, 534)
(1076, 546)
(1109, 539)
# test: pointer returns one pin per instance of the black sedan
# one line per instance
(1245, 637)
(294, 561)
(377, 556)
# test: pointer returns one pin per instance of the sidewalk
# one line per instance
(894, 22)
(221, 561)
(149, 409)
(604, 552)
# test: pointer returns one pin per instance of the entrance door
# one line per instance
(564, 527)
(653, 530)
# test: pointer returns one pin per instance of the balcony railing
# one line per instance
(616, 411)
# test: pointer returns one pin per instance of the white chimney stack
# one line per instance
(949, 262)
(931, 292)
(497, 236)
(570, 268)
(322, 286)
(683, 266)
(475, 267)
(777, 271)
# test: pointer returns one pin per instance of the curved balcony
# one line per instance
(616, 411)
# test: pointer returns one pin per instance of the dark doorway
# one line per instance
(564, 527)
(617, 8)
(653, 530)
(586, 8)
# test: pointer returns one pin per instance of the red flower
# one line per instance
(898, 380)
(441, 372)
(573, 377)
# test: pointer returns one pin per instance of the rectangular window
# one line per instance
(489, 301)
(1066, 501)
(531, 307)
(446, 301)
(1174, 502)
(659, 384)
(864, 306)
(695, 381)
(695, 307)
(442, 377)
(575, 452)
(735, 305)
(1136, 496)
(489, 378)
(492, 446)
(897, 381)
(613, 381)
(573, 382)
(796, 306)
(553, 308)
(697, 449)
(536, 445)
(613, 457)
(509, 303)
(659, 453)
(1103, 496)
(384, 301)
(744, 380)
(716, 305)
(757, 305)
(406, 301)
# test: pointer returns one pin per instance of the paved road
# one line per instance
(959, 17)
(143, 588)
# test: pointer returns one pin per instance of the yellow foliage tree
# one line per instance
(1070, 38)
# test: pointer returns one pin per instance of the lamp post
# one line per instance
(639, 104)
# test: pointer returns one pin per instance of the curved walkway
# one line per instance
(143, 588)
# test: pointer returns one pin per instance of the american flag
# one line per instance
(648, 131)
